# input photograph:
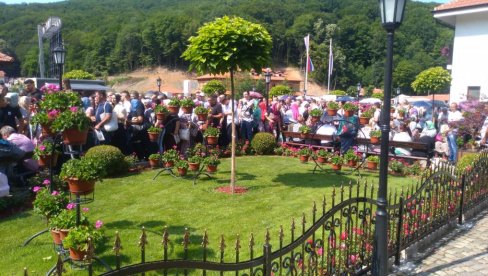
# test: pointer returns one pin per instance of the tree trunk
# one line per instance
(233, 147)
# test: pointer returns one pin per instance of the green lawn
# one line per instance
(280, 188)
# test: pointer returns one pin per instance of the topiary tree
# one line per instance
(212, 87)
(432, 80)
(224, 45)
(109, 158)
(78, 75)
(263, 143)
(280, 90)
(338, 92)
(378, 96)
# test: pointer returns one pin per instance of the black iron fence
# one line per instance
(340, 238)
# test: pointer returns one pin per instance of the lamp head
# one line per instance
(59, 55)
(391, 13)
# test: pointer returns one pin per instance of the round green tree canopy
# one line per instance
(280, 90)
(212, 87)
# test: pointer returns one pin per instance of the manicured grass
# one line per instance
(280, 188)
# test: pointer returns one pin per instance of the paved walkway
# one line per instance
(464, 251)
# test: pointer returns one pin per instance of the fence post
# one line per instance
(267, 259)
(399, 233)
(461, 203)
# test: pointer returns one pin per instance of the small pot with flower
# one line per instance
(187, 105)
(182, 167)
(43, 119)
(131, 161)
(211, 162)
(50, 205)
(153, 133)
(351, 158)
(375, 136)
(304, 131)
(74, 124)
(304, 153)
(211, 134)
(366, 115)
(169, 158)
(336, 162)
(80, 238)
(174, 105)
(194, 162)
(202, 113)
(396, 167)
(81, 175)
(350, 109)
(315, 115)
(155, 160)
(46, 154)
(64, 221)
(161, 112)
(372, 162)
(332, 108)
(322, 156)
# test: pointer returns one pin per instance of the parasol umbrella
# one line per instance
(370, 101)
(255, 94)
(345, 99)
(284, 97)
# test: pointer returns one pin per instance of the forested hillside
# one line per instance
(112, 36)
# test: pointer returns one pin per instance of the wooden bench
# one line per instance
(311, 137)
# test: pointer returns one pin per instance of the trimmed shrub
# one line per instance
(263, 143)
(280, 90)
(212, 87)
(110, 158)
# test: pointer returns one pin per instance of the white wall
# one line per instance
(470, 57)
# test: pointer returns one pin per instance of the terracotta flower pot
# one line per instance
(63, 233)
(211, 168)
(80, 187)
(332, 112)
(364, 120)
(160, 116)
(202, 117)
(304, 158)
(194, 166)
(73, 136)
(336, 167)
(46, 130)
(374, 140)
(77, 255)
(56, 236)
(153, 136)
(45, 160)
(212, 140)
(396, 173)
(304, 135)
(182, 171)
(169, 164)
(348, 113)
(352, 163)
(154, 163)
(372, 165)
(315, 119)
(173, 109)
(187, 110)
(321, 160)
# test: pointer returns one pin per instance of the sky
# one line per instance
(48, 1)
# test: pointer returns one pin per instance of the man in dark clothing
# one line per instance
(8, 115)
(31, 90)
(216, 113)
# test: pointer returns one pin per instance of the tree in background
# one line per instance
(280, 90)
(224, 45)
(434, 79)
(212, 87)
(78, 75)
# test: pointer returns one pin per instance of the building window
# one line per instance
(473, 93)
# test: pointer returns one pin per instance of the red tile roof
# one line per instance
(5, 58)
(457, 4)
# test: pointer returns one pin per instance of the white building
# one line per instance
(470, 50)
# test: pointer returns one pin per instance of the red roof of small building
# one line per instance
(5, 58)
(458, 4)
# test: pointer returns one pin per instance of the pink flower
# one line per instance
(353, 259)
(70, 206)
(55, 193)
(53, 113)
(98, 224)
(42, 147)
(320, 251)
(86, 209)
(73, 109)
(46, 182)
(344, 236)
(36, 189)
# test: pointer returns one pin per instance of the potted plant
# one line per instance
(41, 118)
(366, 115)
(212, 135)
(336, 162)
(201, 112)
(154, 160)
(78, 240)
(187, 105)
(49, 205)
(64, 221)
(194, 162)
(304, 153)
(182, 167)
(153, 133)
(161, 112)
(315, 114)
(396, 167)
(332, 108)
(74, 124)
(169, 158)
(211, 162)
(322, 156)
(375, 136)
(349, 109)
(373, 161)
(46, 154)
(304, 131)
(174, 105)
(81, 175)
(131, 161)
(351, 158)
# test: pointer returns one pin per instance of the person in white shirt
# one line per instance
(453, 116)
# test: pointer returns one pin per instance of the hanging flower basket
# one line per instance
(364, 120)
(212, 140)
(321, 160)
(349, 113)
(336, 167)
(153, 136)
(375, 140)
(77, 255)
(160, 116)
(73, 136)
(45, 160)
(194, 166)
(332, 112)
(187, 110)
(182, 171)
(80, 187)
(169, 164)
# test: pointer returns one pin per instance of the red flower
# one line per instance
(344, 236)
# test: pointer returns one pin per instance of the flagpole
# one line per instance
(330, 71)
(306, 65)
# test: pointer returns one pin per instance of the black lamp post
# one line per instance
(158, 83)
(398, 91)
(359, 89)
(391, 18)
(267, 78)
(59, 54)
